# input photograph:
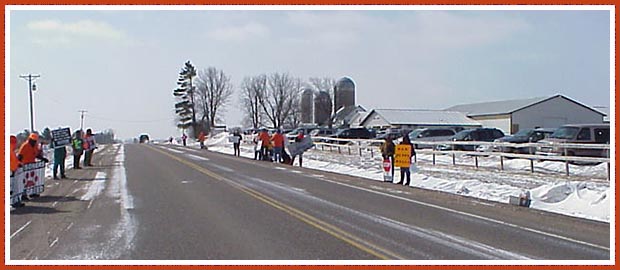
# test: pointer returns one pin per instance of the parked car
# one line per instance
(322, 132)
(350, 133)
(421, 135)
(577, 134)
(524, 136)
(294, 132)
(473, 135)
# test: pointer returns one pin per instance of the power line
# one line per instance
(82, 119)
(31, 87)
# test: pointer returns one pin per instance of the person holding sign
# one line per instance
(402, 159)
(278, 145)
(89, 147)
(60, 153)
(30, 150)
(237, 143)
(387, 152)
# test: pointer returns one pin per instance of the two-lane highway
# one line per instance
(194, 204)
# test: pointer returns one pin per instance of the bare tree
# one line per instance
(279, 100)
(252, 90)
(324, 103)
(213, 92)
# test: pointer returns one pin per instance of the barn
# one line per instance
(412, 119)
(546, 112)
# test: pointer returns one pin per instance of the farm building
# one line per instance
(546, 112)
(412, 119)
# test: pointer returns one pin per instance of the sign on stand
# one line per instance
(61, 137)
(387, 171)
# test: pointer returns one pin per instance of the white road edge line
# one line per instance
(470, 215)
(54, 242)
(20, 229)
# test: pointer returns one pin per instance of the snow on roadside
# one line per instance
(585, 194)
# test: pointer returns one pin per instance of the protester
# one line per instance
(300, 137)
(30, 150)
(256, 148)
(387, 151)
(201, 139)
(237, 142)
(184, 138)
(77, 144)
(263, 137)
(278, 145)
(14, 161)
(405, 170)
(170, 140)
(60, 153)
(89, 147)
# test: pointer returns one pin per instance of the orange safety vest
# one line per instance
(14, 161)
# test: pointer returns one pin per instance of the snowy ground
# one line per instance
(586, 193)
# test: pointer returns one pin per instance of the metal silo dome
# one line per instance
(344, 93)
(307, 95)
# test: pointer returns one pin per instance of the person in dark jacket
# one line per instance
(237, 142)
(405, 170)
(387, 151)
(77, 144)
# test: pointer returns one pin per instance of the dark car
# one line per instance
(473, 135)
(524, 136)
(144, 138)
(351, 133)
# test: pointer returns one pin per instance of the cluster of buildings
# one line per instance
(510, 115)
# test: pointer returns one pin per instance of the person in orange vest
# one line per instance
(14, 161)
(201, 139)
(278, 145)
(263, 136)
(300, 137)
(30, 150)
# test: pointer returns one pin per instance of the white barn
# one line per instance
(546, 112)
(412, 119)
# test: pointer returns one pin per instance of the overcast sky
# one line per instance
(121, 66)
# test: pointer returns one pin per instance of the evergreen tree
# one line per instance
(184, 93)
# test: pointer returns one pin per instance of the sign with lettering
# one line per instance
(402, 157)
(61, 137)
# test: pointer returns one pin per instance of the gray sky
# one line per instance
(122, 66)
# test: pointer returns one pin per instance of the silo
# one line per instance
(322, 108)
(344, 93)
(306, 105)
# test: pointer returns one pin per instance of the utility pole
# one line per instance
(82, 119)
(31, 87)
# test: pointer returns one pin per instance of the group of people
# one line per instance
(31, 150)
(388, 149)
(272, 148)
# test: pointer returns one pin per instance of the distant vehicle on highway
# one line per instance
(144, 138)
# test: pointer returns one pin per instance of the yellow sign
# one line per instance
(402, 157)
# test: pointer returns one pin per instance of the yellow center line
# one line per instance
(363, 245)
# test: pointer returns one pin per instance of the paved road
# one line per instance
(154, 202)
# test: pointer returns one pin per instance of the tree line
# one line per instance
(271, 100)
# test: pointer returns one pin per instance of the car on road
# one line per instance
(472, 135)
(576, 134)
(421, 135)
(144, 138)
(524, 136)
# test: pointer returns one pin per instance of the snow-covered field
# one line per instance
(586, 193)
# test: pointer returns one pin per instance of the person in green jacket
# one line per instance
(78, 148)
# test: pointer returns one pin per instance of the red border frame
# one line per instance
(306, 2)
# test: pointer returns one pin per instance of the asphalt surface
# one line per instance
(161, 202)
